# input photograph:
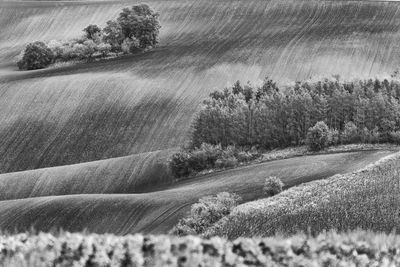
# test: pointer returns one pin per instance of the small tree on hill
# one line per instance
(37, 55)
(318, 136)
(140, 22)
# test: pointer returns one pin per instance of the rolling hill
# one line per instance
(159, 210)
(78, 143)
(146, 102)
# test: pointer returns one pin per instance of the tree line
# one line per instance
(269, 117)
(136, 29)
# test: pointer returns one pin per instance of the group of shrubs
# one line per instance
(136, 29)
(191, 161)
(211, 209)
(321, 136)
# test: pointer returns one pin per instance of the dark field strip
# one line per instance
(158, 211)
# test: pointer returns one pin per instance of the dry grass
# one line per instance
(356, 248)
(368, 199)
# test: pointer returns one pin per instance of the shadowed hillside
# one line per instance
(130, 174)
(146, 102)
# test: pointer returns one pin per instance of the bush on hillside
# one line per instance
(272, 186)
(206, 157)
(36, 55)
(318, 136)
(205, 213)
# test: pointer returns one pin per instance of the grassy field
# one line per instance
(368, 199)
(356, 248)
(158, 210)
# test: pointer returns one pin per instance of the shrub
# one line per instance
(318, 136)
(272, 186)
(206, 212)
(37, 55)
(226, 162)
(179, 164)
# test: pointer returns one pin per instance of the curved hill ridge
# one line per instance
(158, 211)
(128, 174)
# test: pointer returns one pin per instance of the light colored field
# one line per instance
(365, 199)
(159, 210)
(146, 102)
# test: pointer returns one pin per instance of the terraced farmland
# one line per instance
(117, 112)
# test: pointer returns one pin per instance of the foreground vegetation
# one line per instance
(356, 248)
(367, 199)
(135, 29)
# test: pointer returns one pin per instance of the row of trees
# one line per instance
(136, 29)
(268, 117)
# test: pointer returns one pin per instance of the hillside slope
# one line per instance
(146, 102)
(158, 211)
(130, 174)
(365, 199)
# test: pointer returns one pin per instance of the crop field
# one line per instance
(146, 102)
(158, 210)
(78, 140)
(367, 199)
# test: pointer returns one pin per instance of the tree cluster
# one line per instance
(136, 29)
(191, 161)
(269, 117)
